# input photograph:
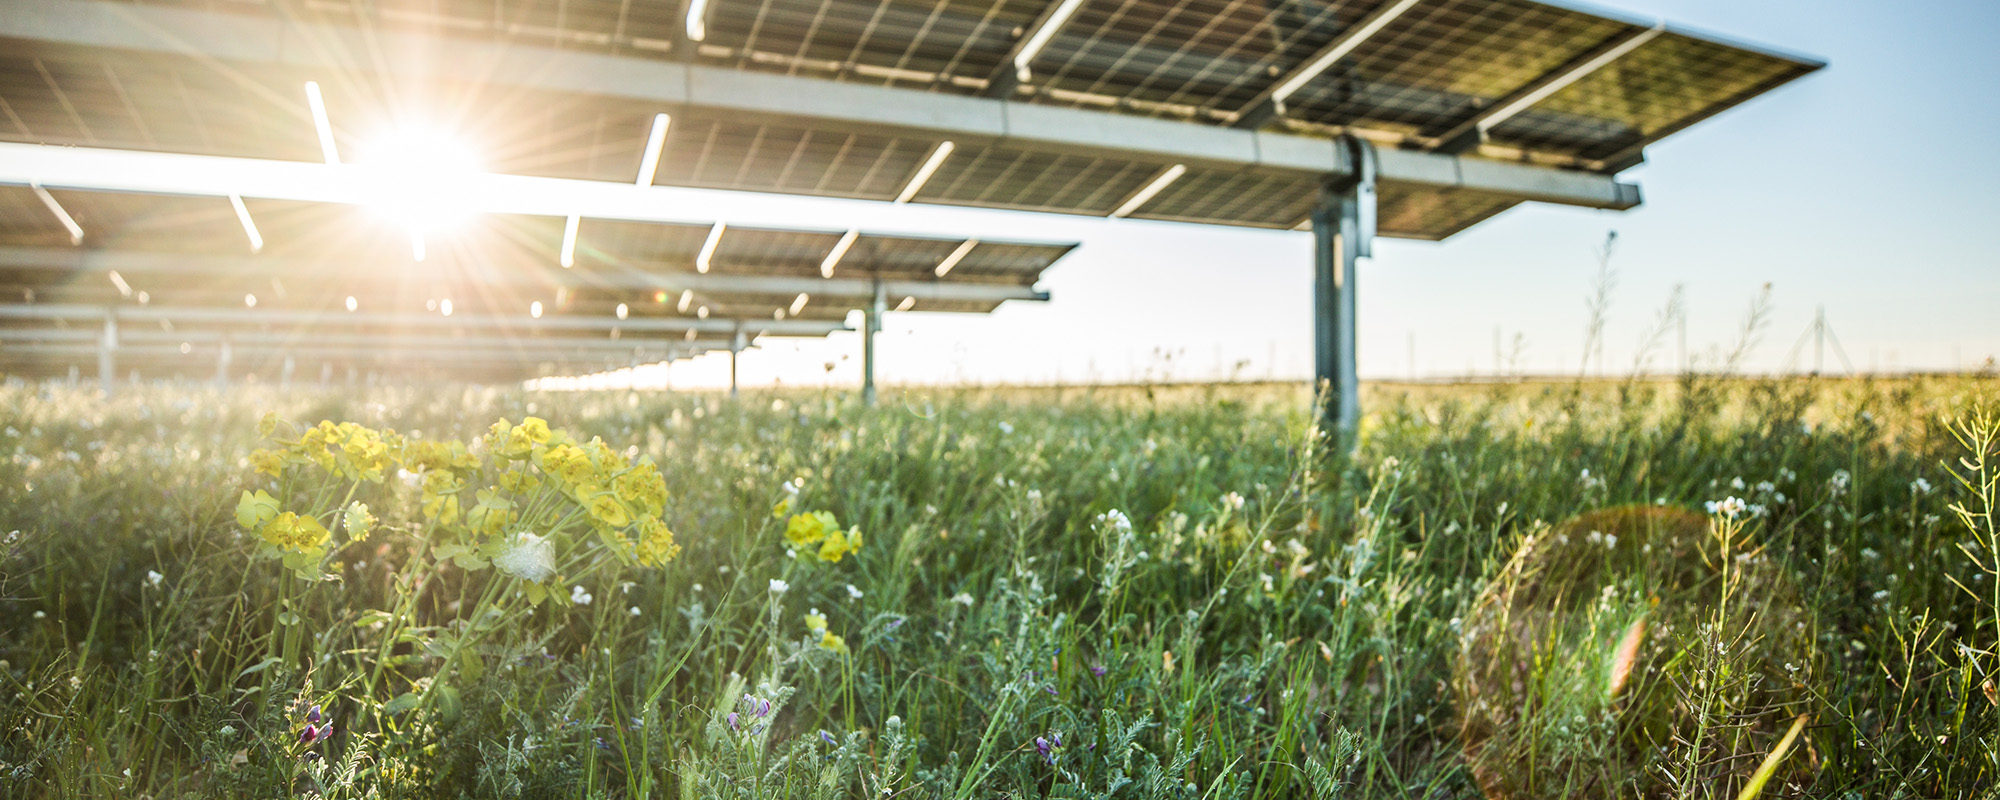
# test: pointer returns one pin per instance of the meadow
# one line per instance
(1137, 592)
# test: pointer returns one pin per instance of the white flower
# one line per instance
(1116, 521)
(579, 596)
(696, 588)
(1005, 427)
(1728, 506)
(154, 578)
(961, 598)
(1232, 501)
(853, 593)
(779, 587)
(1838, 483)
(410, 479)
(532, 558)
(635, 611)
(1920, 486)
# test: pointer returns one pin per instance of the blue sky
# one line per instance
(1865, 187)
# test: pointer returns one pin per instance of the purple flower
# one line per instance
(314, 716)
(309, 735)
(1048, 745)
(1098, 670)
(733, 724)
(827, 737)
(1051, 690)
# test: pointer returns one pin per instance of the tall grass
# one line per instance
(1261, 617)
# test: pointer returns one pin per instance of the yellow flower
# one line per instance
(536, 429)
(268, 462)
(656, 543)
(293, 532)
(838, 545)
(815, 621)
(831, 642)
(604, 506)
(492, 513)
(783, 507)
(254, 511)
(519, 482)
(805, 529)
(642, 486)
(268, 424)
(441, 507)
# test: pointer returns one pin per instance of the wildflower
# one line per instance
(656, 542)
(1006, 427)
(292, 532)
(153, 578)
(1048, 745)
(579, 595)
(853, 593)
(784, 504)
(828, 641)
(1116, 521)
(734, 721)
(779, 587)
(1098, 670)
(313, 716)
(828, 738)
(267, 462)
(837, 545)
(358, 522)
(530, 558)
(1838, 483)
(805, 529)
(265, 426)
(635, 611)
(962, 599)
(604, 506)
(1728, 506)
(1920, 486)
(256, 510)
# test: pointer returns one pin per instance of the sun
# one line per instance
(421, 175)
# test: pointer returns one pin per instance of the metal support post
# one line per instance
(736, 345)
(871, 325)
(107, 353)
(1343, 228)
(222, 364)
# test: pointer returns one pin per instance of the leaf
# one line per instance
(447, 700)
(470, 666)
(260, 666)
(371, 617)
(537, 593)
(402, 703)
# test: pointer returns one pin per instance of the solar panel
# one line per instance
(1510, 80)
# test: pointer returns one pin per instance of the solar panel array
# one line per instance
(488, 302)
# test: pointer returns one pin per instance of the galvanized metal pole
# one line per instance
(107, 349)
(1343, 232)
(222, 364)
(871, 326)
(736, 345)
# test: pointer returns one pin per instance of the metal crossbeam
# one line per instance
(381, 320)
(132, 263)
(845, 106)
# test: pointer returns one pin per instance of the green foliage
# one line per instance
(1147, 593)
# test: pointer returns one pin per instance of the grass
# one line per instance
(1139, 592)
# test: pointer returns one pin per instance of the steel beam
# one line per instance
(620, 276)
(406, 56)
(1343, 230)
(386, 320)
(872, 325)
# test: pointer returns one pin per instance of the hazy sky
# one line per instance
(1866, 187)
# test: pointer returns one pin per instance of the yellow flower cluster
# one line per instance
(284, 530)
(816, 623)
(819, 533)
